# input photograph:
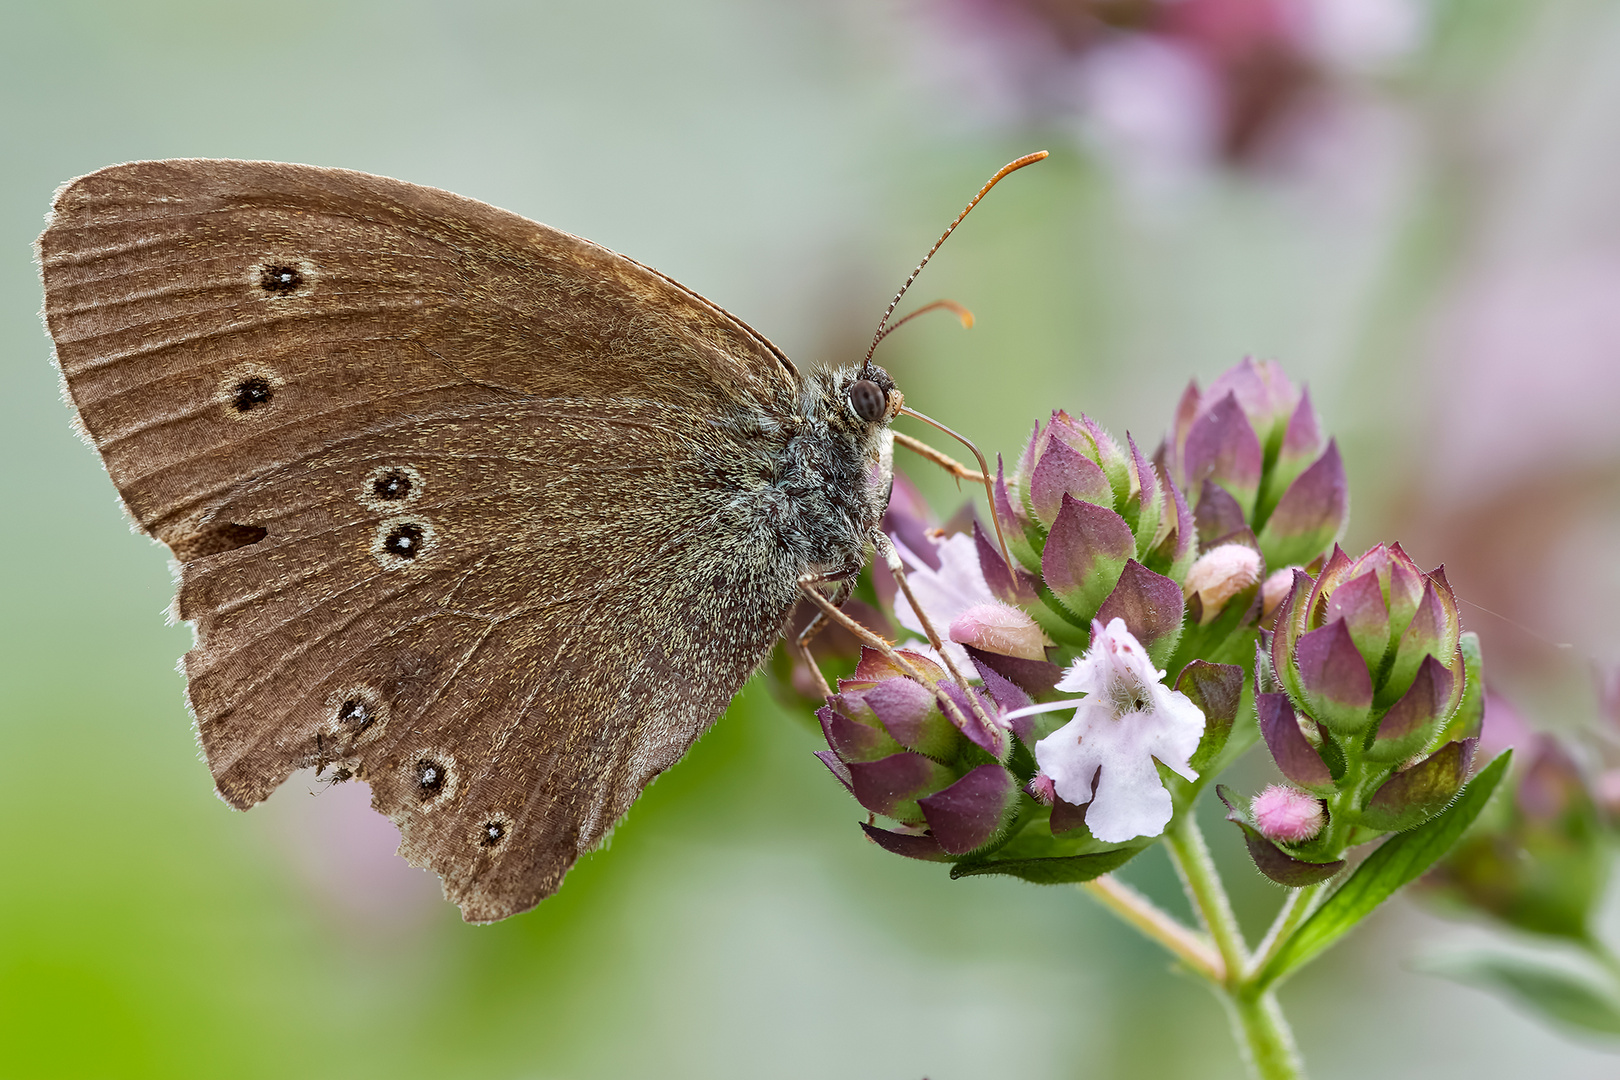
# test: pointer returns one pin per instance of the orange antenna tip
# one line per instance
(962, 314)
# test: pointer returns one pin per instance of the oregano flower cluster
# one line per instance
(1055, 715)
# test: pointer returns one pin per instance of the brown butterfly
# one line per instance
(472, 509)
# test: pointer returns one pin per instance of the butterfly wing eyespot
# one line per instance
(281, 277)
(867, 400)
(390, 488)
(494, 831)
(358, 717)
(249, 393)
(435, 780)
(404, 542)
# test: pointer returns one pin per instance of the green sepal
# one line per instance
(1217, 690)
(1228, 639)
(1052, 617)
(1412, 797)
(1466, 722)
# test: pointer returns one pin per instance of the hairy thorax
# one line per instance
(815, 483)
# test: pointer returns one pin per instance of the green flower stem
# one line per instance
(1299, 904)
(1263, 1036)
(1191, 857)
(1193, 949)
(1347, 799)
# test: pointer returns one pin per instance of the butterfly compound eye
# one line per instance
(868, 400)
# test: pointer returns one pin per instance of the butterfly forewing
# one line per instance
(206, 306)
(444, 487)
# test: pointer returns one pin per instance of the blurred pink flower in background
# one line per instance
(1522, 477)
(342, 853)
(946, 592)
(1522, 489)
(1163, 88)
(1504, 727)
(1530, 350)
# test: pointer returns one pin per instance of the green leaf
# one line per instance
(1397, 861)
(1051, 871)
(1553, 992)
(1228, 639)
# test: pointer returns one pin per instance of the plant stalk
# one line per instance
(1263, 1036)
(1299, 904)
(1191, 857)
(1153, 922)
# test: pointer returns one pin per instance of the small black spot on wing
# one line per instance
(404, 540)
(392, 486)
(280, 279)
(357, 714)
(492, 833)
(251, 393)
(431, 777)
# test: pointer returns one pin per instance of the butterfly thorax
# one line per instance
(829, 478)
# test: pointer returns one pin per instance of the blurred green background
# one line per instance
(1433, 244)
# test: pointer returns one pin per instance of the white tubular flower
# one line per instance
(946, 593)
(1127, 719)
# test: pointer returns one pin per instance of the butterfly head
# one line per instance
(871, 395)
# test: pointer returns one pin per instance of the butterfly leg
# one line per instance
(807, 585)
(831, 612)
(801, 641)
(960, 471)
(891, 558)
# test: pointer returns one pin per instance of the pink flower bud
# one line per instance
(1041, 790)
(1220, 574)
(998, 628)
(1274, 592)
(1287, 814)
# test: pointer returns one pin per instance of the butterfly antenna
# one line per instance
(963, 315)
(984, 474)
(1011, 166)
